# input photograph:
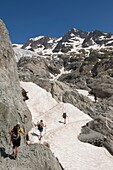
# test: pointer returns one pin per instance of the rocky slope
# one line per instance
(14, 109)
(84, 56)
(77, 60)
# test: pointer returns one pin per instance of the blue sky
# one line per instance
(25, 19)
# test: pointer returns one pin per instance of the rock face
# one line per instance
(102, 86)
(32, 157)
(12, 110)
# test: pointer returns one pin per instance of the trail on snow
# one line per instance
(63, 139)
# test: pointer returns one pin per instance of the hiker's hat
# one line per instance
(18, 123)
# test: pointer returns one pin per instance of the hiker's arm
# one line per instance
(21, 130)
(10, 131)
(44, 125)
(23, 133)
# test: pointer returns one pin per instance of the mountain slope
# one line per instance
(88, 65)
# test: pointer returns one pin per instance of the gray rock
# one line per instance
(101, 86)
(31, 157)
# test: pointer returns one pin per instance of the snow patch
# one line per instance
(63, 139)
(36, 38)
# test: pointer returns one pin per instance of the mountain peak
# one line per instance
(36, 38)
(74, 30)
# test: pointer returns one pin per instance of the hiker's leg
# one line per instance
(40, 134)
(17, 146)
(64, 120)
(13, 150)
(16, 152)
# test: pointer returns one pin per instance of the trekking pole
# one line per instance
(68, 119)
(10, 141)
(8, 151)
(45, 131)
(25, 130)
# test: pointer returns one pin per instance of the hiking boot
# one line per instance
(15, 157)
(40, 137)
(13, 154)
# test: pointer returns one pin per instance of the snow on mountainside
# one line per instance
(23, 53)
(17, 45)
(63, 139)
(72, 42)
(40, 43)
(77, 60)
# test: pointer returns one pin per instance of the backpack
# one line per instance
(14, 135)
(40, 127)
(64, 115)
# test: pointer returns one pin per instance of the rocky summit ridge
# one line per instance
(72, 41)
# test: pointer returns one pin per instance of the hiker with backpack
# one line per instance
(16, 138)
(64, 117)
(40, 128)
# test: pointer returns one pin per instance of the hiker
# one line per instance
(40, 128)
(64, 116)
(16, 138)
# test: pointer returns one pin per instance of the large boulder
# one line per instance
(102, 86)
